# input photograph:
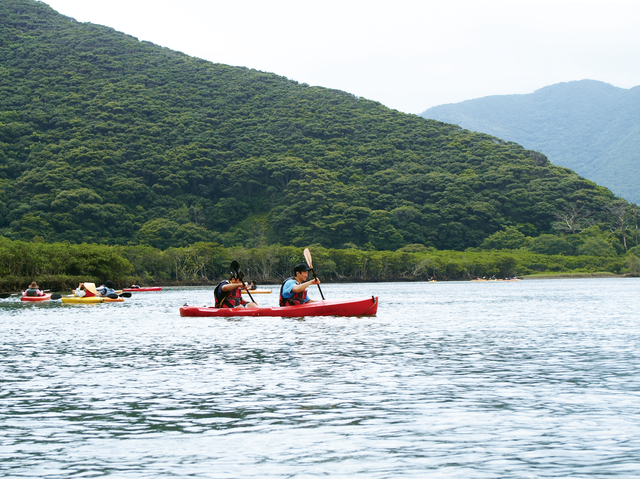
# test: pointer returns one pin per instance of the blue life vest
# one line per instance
(105, 290)
(297, 298)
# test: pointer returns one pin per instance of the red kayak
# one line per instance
(36, 298)
(134, 290)
(351, 307)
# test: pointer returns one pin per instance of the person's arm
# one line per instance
(298, 288)
(232, 286)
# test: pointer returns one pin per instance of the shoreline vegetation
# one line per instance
(63, 265)
(601, 274)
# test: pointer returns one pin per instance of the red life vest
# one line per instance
(89, 290)
(227, 299)
(297, 298)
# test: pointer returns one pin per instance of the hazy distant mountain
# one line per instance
(589, 126)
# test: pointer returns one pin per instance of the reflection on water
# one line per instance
(522, 379)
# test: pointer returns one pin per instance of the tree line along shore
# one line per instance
(64, 265)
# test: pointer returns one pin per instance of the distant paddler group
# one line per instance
(493, 278)
(134, 288)
(85, 293)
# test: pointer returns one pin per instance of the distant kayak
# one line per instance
(73, 299)
(257, 291)
(494, 280)
(136, 290)
(352, 307)
(45, 297)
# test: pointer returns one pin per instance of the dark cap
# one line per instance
(300, 267)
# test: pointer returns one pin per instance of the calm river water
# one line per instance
(451, 379)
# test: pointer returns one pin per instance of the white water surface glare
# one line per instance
(536, 378)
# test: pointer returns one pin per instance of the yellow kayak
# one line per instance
(257, 291)
(72, 298)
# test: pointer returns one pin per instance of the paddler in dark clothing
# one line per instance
(228, 294)
(294, 290)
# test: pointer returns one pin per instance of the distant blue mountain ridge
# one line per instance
(588, 126)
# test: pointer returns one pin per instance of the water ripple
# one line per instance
(527, 379)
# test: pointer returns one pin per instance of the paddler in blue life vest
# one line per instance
(106, 289)
(294, 289)
(228, 294)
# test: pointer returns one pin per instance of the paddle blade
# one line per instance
(235, 266)
(112, 296)
(235, 270)
(56, 296)
(307, 257)
(5, 295)
(125, 295)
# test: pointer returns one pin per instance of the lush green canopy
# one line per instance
(107, 139)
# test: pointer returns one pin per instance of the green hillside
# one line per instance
(110, 140)
(588, 126)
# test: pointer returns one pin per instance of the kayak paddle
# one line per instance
(116, 296)
(8, 295)
(235, 266)
(307, 256)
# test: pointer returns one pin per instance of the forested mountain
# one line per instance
(107, 139)
(589, 126)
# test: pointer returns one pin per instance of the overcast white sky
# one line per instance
(406, 54)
